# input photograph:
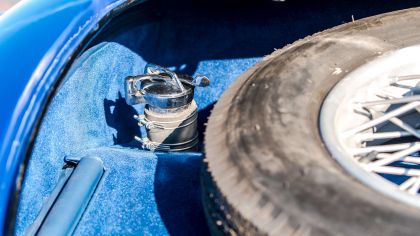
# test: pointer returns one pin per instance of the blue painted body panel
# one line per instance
(37, 40)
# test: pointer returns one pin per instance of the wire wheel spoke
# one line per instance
(370, 124)
(388, 143)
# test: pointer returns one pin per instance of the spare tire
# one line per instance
(267, 170)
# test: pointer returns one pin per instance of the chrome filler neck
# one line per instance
(170, 117)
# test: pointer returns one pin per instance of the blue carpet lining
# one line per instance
(155, 193)
(142, 192)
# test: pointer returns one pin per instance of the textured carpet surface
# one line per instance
(144, 193)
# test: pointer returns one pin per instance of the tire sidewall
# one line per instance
(267, 125)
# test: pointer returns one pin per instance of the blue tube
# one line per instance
(67, 210)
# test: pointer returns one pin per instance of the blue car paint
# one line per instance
(30, 71)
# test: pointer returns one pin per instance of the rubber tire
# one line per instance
(266, 169)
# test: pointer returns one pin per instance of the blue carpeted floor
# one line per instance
(144, 193)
